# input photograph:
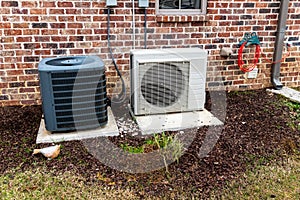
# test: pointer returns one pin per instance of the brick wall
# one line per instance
(31, 30)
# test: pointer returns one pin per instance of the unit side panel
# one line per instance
(196, 94)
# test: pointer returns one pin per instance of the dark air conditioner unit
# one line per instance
(73, 91)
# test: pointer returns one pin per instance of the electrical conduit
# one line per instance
(122, 95)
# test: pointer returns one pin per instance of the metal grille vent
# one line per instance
(163, 84)
(76, 100)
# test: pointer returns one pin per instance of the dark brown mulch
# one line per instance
(256, 127)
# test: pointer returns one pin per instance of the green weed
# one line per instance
(169, 147)
(132, 149)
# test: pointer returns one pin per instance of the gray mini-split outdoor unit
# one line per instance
(167, 80)
(73, 92)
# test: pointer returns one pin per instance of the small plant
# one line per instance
(162, 141)
(132, 149)
(170, 147)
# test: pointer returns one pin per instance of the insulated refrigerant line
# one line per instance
(122, 94)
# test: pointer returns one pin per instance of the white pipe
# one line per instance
(133, 24)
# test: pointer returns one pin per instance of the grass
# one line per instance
(273, 181)
(41, 185)
(294, 111)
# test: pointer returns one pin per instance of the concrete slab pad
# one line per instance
(110, 129)
(176, 121)
(289, 93)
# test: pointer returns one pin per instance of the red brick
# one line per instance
(3, 85)
(19, 11)
(29, 102)
(245, 28)
(38, 11)
(66, 18)
(90, 12)
(24, 65)
(7, 39)
(261, 5)
(232, 28)
(225, 34)
(42, 52)
(65, 4)
(26, 90)
(18, 96)
(76, 51)
(10, 79)
(238, 82)
(7, 66)
(76, 38)
(31, 32)
(32, 83)
(9, 3)
(225, 11)
(13, 32)
(10, 103)
(59, 38)
(57, 11)
(84, 32)
(98, 4)
(83, 18)
(83, 4)
(4, 11)
(23, 52)
(30, 18)
(29, 4)
(117, 18)
(12, 46)
(75, 25)
(49, 4)
(42, 38)
(57, 25)
(14, 72)
(7, 53)
(73, 11)
(20, 25)
(49, 32)
(33, 96)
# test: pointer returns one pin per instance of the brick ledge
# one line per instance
(181, 18)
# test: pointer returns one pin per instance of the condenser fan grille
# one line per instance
(163, 83)
(79, 99)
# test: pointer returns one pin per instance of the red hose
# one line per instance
(241, 63)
